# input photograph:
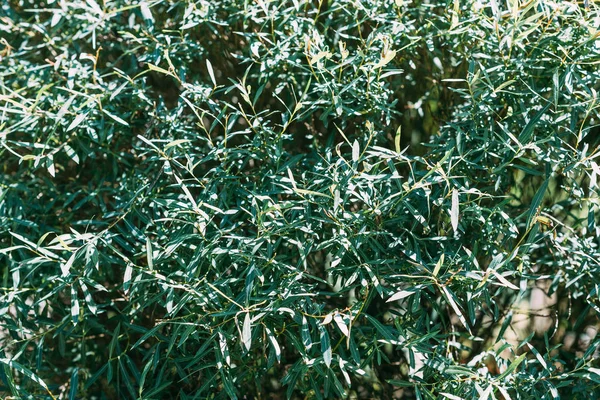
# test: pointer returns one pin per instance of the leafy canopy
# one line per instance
(299, 199)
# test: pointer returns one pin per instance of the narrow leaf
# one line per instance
(450, 298)
(74, 305)
(526, 133)
(176, 143)
(355, 151)
(127, 278)
(397, 139)
(515, 363)
(274, 343)
(118, 119)
(149, 256)
(454, 210)
(400, 295)
(325, 346)
(28, 373)
(535, 203)
(211, 73)
(305, 333)
(247, 332)
(76, 122)
(339, 321)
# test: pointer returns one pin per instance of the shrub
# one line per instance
(301, 199)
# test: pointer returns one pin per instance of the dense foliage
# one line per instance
(299, 198)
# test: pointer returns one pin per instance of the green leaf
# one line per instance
(454, 210)
(305, 332)
(74, 306)
(28, 373)
(355, 151)
(211, 73)
(149, 255)
(397, 139)
(274, 344)
(176, 143)
(73, 384)
(451, 299)
(91, 380)
(247, 332)
(505, 323)
(71, 154)
(526, 133)
(75, 123)
(535, 203)
(400, 295)
(513, 366)
(127, 277)
(325, 346)
(116, 118)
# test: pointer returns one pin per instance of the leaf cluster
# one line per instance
(299, 199)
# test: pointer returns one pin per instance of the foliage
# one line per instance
(299, 198)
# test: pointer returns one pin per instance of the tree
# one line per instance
(301, 199)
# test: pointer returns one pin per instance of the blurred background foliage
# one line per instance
(299, 199)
